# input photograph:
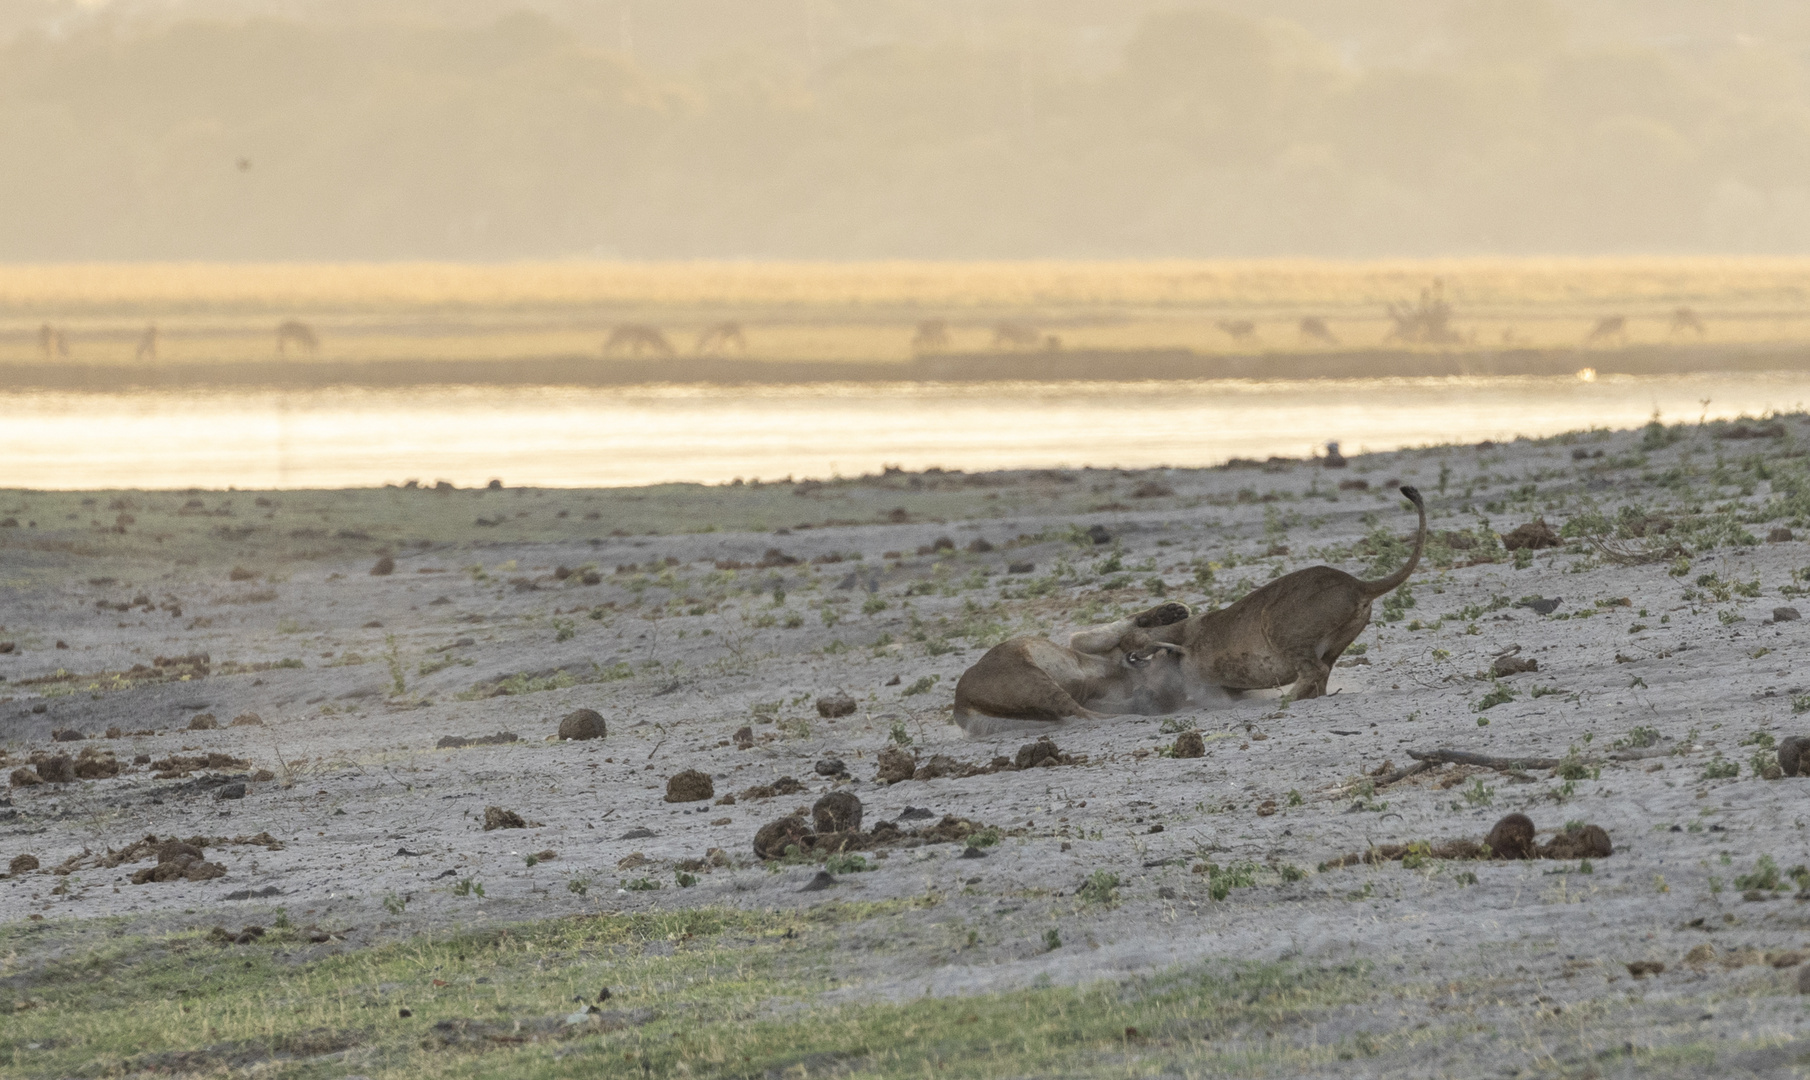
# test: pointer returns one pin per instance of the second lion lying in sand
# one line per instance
(1031, 679)
(1158, 661)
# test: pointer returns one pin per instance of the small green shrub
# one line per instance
(1765, 876)
(923, 685)
(1498, 695)
(1101, 887)
(1721, 769)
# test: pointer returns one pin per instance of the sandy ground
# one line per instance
(379, 828)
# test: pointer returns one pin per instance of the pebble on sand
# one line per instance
(583, 724)
(690, 786)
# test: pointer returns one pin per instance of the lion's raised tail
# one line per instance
(1374, 589)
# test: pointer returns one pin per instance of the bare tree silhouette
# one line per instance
(932, 336)
(1016, 336)
(147, 344)
(1240, 330)
(298, 333)
(1427, 322)
(51, 341)
(635, 338)
(1608, 328)
(1313, 328)
(1685, 319)
(721, 337)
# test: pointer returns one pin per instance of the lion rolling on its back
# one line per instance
(1030, 679)
(1290, 631)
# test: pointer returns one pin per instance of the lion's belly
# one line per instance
(1250, 671)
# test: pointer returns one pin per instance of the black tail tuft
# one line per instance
(1413, 494)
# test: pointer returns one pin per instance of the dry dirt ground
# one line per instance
(683, 614)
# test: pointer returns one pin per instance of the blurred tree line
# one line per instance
(909, 131)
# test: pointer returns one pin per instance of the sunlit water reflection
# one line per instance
(565, 436)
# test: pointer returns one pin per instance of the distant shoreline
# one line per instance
(1103, 365)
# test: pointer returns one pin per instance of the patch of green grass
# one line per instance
(1101, 887)
(708, 992)
(1720, 768)
(1498, 695)
(1765, 876)
(923, 685)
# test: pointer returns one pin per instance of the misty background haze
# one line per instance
(950, 129)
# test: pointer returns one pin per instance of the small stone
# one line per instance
(690, 786)
(1640, 969)
(1031, 755)
(383, 567)
(22, 864)
(248, 719)
(773, 838)
(1099, 535)
(837, 704)
(895, 764)
(235, 790)
(839, 811)
(1785, 614)
(1513, 665)
(638, 833)
(115, 732)
(1534, 536)
(823, 880)
(57, 770)
(583, 724)
(1779, 535)
(203, 722)
(1803, 980)
(1511, 838)
(830, 766)
(1021, 568)
(1586, 842)
(66, 735)
(495, 817)
(1189, 744)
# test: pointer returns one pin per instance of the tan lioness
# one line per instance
(1289, 631)
(1090, 678)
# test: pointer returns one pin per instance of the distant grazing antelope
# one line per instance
(1016, 336)
(721, 337)
(52, 342)
(147, 344)
(298, 333)
(1428, 322)
(1685, 319)
(634, 338)
(1240, 330)
(1609, 328)
(1314, 328)
(932, 335)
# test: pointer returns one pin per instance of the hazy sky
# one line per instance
(474, 129)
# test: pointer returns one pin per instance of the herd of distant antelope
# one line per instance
(1427, 322)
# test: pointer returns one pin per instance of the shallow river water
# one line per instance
(566, 436)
